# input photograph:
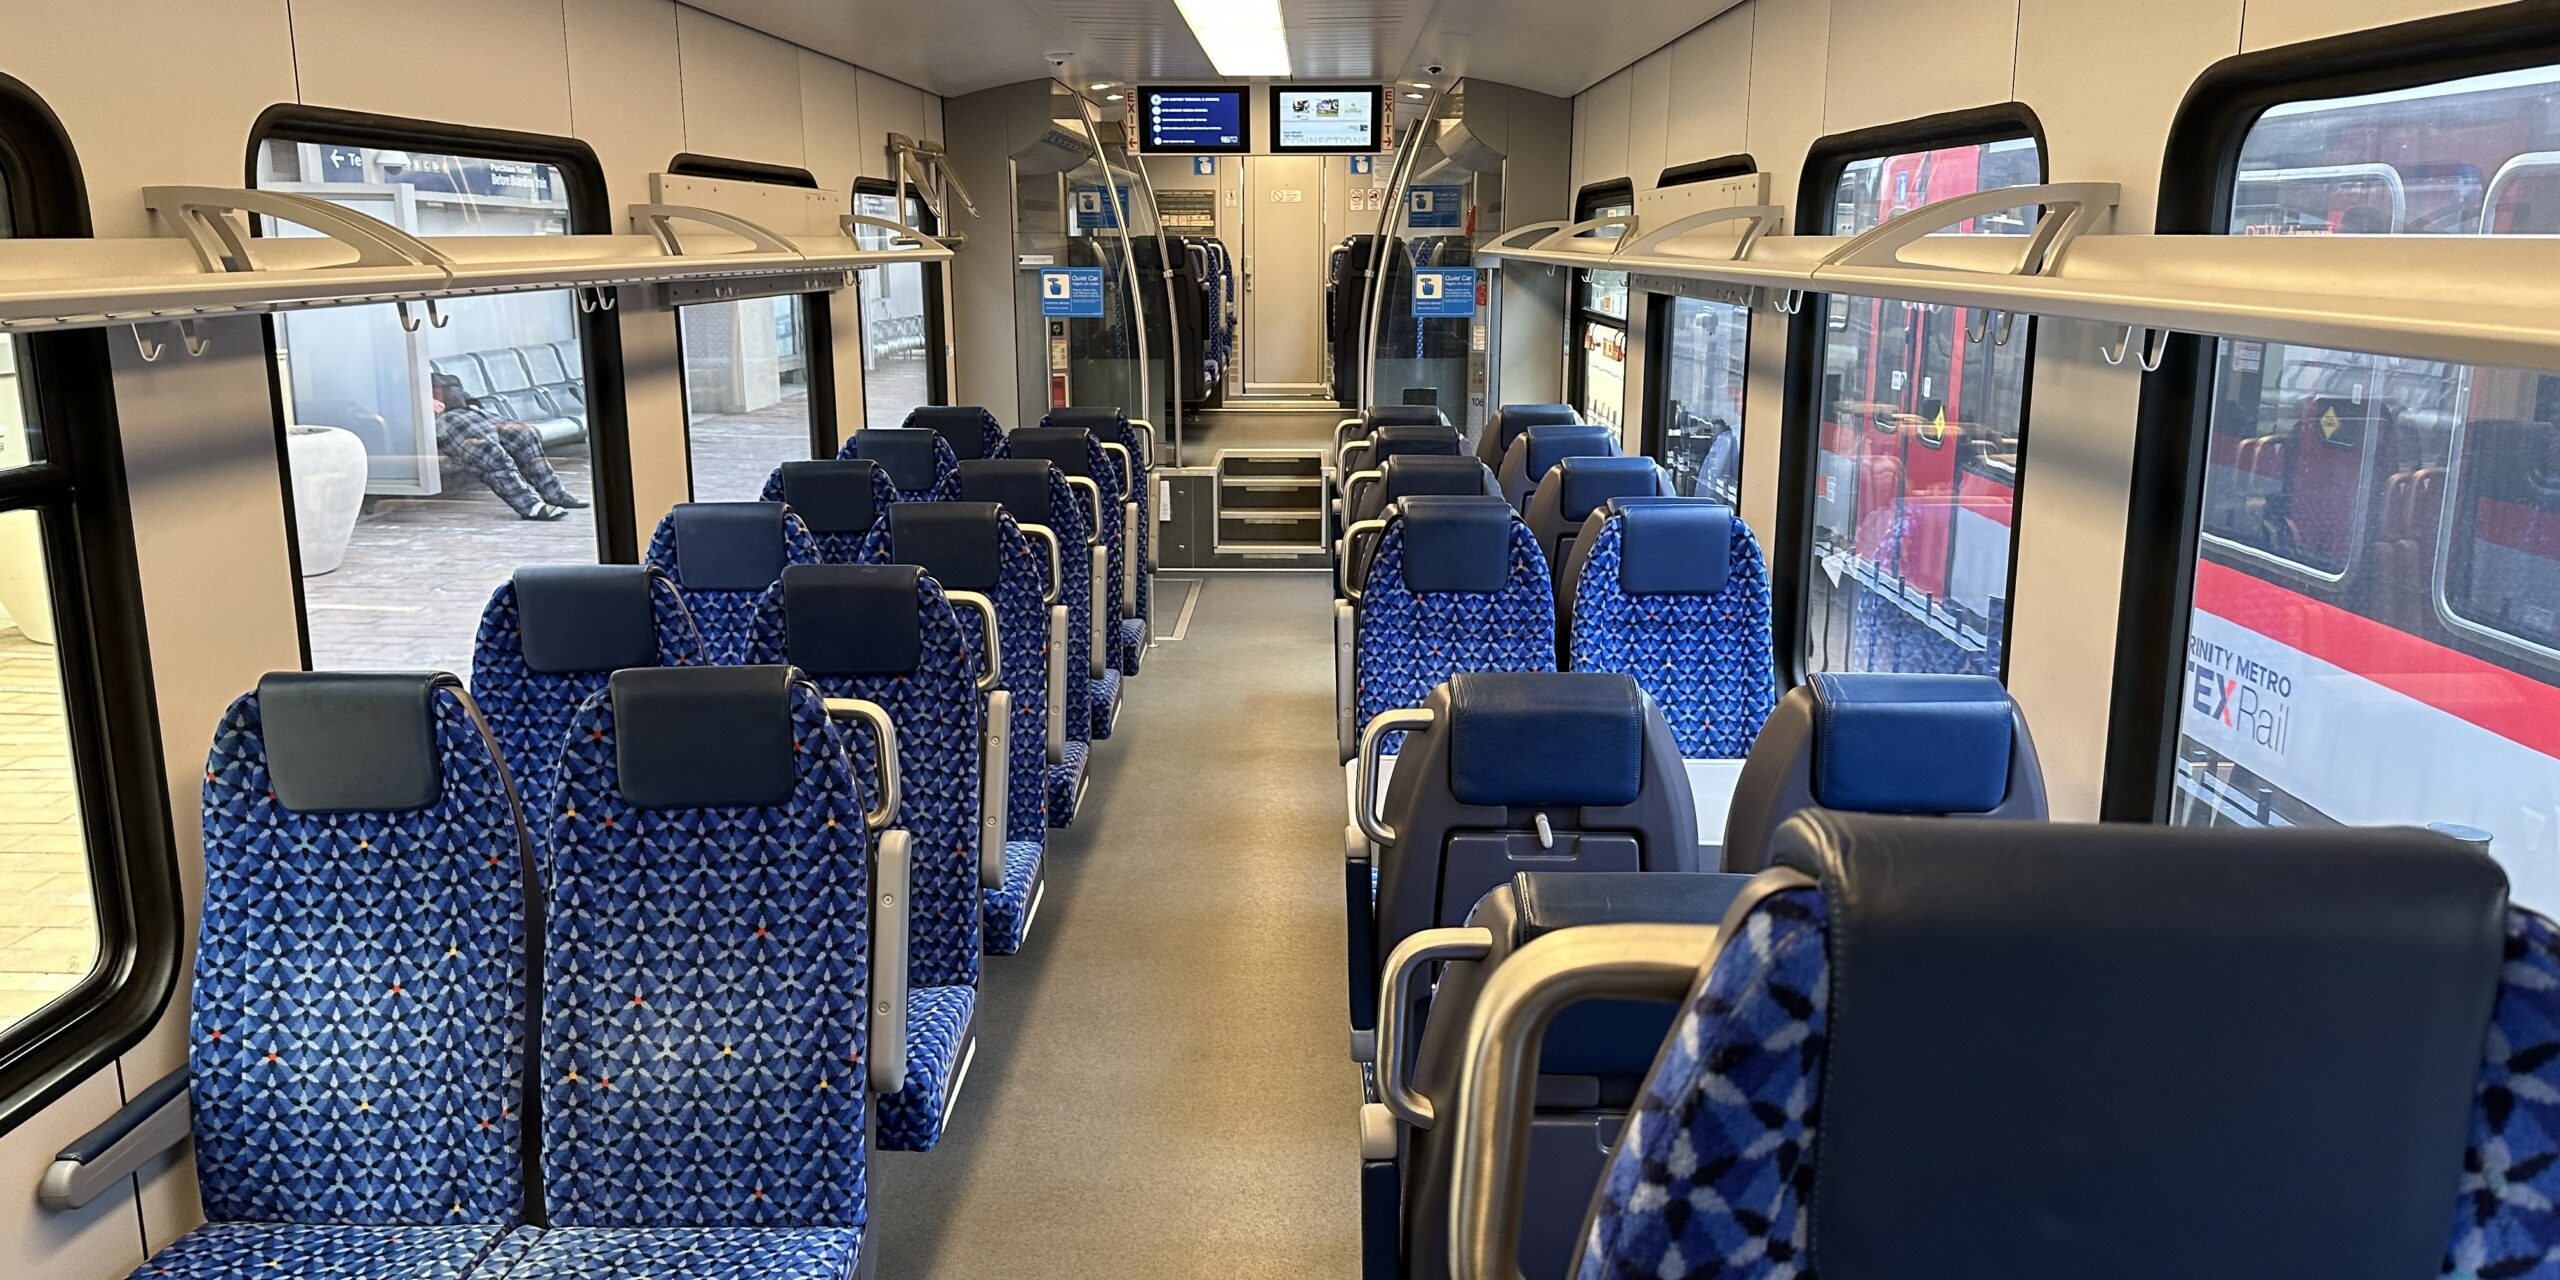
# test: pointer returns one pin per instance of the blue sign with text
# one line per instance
(1435, 206)
(1094, 209)
(1441, 293)
(1076, 292)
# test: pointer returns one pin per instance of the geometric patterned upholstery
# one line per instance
(841, 546)
(530, 710)
(1104, 471)
(971, 430)
(707, 971)
(1067, 519)
(726, 618)
(1706, 659)
(1113, 426)
(1408, 643)
(1715, 1169)
(357, 1032)
(277, 1251)
(689, 1253)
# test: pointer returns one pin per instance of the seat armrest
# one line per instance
(995, 788)
(158, 1119)
(891, 860)
(1346, 693)
(1131, 563)
(1101, 646)
(1360, 931)
(1058, 655)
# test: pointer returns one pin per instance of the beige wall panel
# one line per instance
(1710, 90)
(2281, 22)
(1896, 59)
(97, 1242)
(1600, 152)
(623, 66)
(838, 139)
(2112, 127)
(1648, 118)
(661, 471)
(888, 107)
(1789, 66)
(402, 58)
(741, 91)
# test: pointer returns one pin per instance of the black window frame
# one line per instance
(1587, 203)
(1654, 396)
(1801, 418)
(817, 326)
(103, 651)
(937, 342)
(600, 331)
(2198, 179)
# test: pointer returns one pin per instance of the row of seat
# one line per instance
(542, 384)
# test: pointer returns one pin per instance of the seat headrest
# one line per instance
(1403, 441)
(1545, 739)
(853, 619)
(1454, 543)
(1069, 449)
(1404, 415)
(1673, 546)
(959, 543)
(704, 737)
(586, 617)
(1414, 474)
(1019, 485)
(832, 495)
(1904, 742)
(2082, 1050)
(1585, 484)
(1099, 419)
(730, 546)
(1549, 445)
(1512, 419)
(906, 453)
(353, 741)
(963, 426)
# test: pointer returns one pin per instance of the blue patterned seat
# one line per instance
(706, 1046)
(1127, 443)
(722, 557)
(548, 638)
(2392, 1063)
(356, 1048)
(1457, 585)
(1580, 487)
(1673, 592)
(1079, 456)
(887, 634)
(1037, 496)
(976, 547)
(1536, 452)
(839, 499)
(920, 465)
(972, 431)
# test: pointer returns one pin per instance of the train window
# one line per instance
(48, 909)
(2378, 558)
(1705, 349)
(901, 320)
(1597, 365)
(1919, 441)
(747, 402)
(427, 461)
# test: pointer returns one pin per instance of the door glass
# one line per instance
(897, 329)
(746, 393)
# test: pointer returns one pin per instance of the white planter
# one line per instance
(328, 490)
(23, 593)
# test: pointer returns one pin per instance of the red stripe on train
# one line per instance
(2510, 704)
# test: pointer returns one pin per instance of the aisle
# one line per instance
(1162, 1088)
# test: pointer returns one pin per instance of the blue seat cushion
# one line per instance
(294, 1251)
(1673, 546)
(1584, 483)
(1010, 906)
(833, 495)
(1538, 739)
(729, 546)
(1066, 780)
(1906, 743)
(906, 453)
(586, 617)
(938, 1032)
(690, 1253)
(1106, 701)
(1457, 543)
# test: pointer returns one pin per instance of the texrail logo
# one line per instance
(2242, 694)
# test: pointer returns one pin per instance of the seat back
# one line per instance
(1539, 449)
(971, 431)
(1412, 475)
(1673, 592)
(1096, 476)
(1884, 742)
(1510, 420)
(1134, 455)
(1581, 486)
(707, 958)
(549, 637)
(919, 462)
(1033, 492)
(1457, 584)
(976, 546)
(356, 1044)
(839, 499)
(722, 556)
(2177, 1011)
(887, 634)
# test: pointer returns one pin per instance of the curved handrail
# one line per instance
(2069, 210)
(1765, 219)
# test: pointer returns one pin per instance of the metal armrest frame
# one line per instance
(1364, 790)
(991, 671)
(892, 862)
(1049, 591)
(1055, 658)
(1395, 999)
(995, 788)
(156, 1121)
(1092, 491)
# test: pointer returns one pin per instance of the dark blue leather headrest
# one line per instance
(1512, 419)
(905, 453)
(1019, 485)
(586, 617)
(963, 426)
(1545, 739)
(1398, 442)
(1551, 445)
(1457, 543)
(1673, 546)
(1069, 449)
(853, 619)
(1422, 473)
(958, 543)
(704, 737)
(1102, 420)
(1584, 484)
(1896, 742)
(832, 495)
(730, 546)
(1404, 415)
(352, 741)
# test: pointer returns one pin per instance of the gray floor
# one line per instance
(1206, 433)
(1161, 1087)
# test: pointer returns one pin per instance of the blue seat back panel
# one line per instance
(1905, 743)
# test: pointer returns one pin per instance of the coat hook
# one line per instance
(604, 299)
(586, 301)
(2008, 320)
(197, 344)
(1977, 324)
(2155, 349)
(2123, 347)
(408, 323)
(435, 317)
(149, 351)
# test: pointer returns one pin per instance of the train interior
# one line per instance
(824, 639)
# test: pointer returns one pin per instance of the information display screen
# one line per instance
(1207, 120)
(1319, 118)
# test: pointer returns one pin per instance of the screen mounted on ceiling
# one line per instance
(1207, 120)
(1326, 118)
